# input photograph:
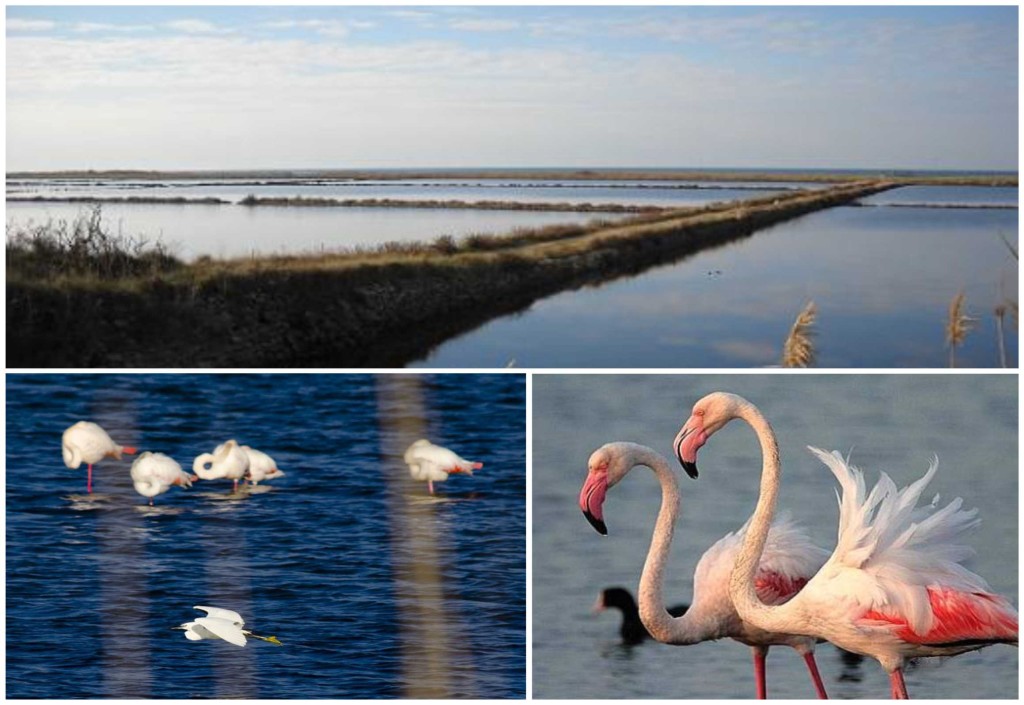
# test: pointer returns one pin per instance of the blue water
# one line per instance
(882, 280)
(375, 589)
(893, 423)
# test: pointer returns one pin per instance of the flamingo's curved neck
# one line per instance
(741, 586)
(690, 628)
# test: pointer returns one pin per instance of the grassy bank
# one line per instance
(449, 204)
(368, 308)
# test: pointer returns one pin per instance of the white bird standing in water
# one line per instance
(221, 624)
(228, 461)
(433, 463)
(261, 466)
(155, 473)
(87, 442)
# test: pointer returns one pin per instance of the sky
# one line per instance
(463, 86)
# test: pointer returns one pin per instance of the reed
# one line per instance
(958, 324)
(798, 350)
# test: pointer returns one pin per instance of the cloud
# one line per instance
(16, 24)
(483, 25)
(195, 27)
(327, 28)
(87, 27)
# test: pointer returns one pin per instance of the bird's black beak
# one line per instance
(689, 466)
(598, 524)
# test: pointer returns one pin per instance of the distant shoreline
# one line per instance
(899, 176)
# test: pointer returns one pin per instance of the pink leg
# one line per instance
(899, 688)
(762, 686)
(235, 489)
(88, 483)
(430, 486)
(812, 666)
(151, 501)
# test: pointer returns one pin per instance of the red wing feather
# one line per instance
(958, 616)
(776, 588)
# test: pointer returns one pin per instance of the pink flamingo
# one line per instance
(87, 442)
(785, 567)
(893, 589)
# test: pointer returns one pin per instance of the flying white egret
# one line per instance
(223, 624)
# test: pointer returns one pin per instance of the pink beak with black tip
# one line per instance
(592, 499)
(688, 441)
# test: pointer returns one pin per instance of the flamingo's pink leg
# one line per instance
(762, 686)
(430, 486)
(899, 688)
(812, 666)
(88, 483)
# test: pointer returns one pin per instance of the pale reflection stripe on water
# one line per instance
(125, 609)
(428, 631)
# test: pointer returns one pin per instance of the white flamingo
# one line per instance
(433, 463)
(784, 569)
(893, 589)
(223, 624)
(87, 442)
(261, 466)
(228, 461)
(155, 473)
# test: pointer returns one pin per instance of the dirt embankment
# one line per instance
(358, 311)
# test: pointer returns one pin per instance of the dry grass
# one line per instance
(798, 350)
(83, 250)
(958, 324)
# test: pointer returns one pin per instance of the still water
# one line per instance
(882, 280)
(235, 231)
(891, 423)
(374, 588)
(662, 193)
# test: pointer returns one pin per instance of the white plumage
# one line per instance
(155, 473)
(431, 463)
(227, 462)
(223, 624)
(87, 442)
(261, 466)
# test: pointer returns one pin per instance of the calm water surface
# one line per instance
(882, 279)
(235, 231)
(891, 423)
(665, 193)
(376, 589)
(231, 231)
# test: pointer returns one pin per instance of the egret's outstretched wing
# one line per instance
(220, 613)
(226, 630)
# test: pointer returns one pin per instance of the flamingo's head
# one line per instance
(708, 416)
(607, 465)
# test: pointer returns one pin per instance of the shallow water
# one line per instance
(663, 193)
(882, 280)
(234, 231)
(889, 422)
(375, 589)
(193, 230)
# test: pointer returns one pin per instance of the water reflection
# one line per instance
(882, 279)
